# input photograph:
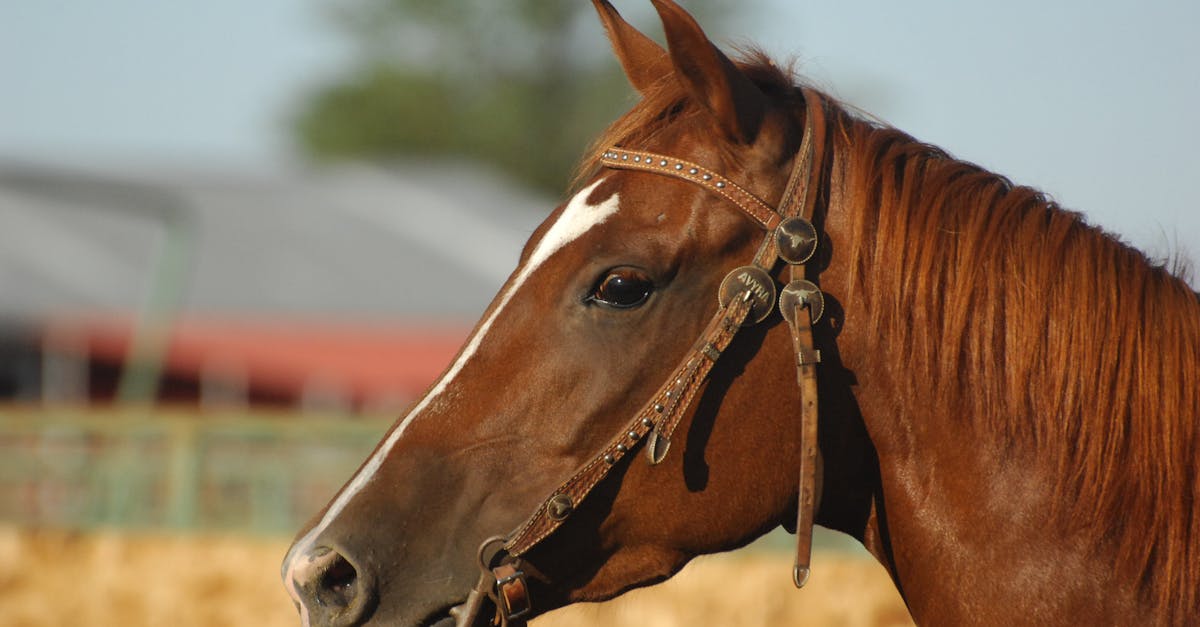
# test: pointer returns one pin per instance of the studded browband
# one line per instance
(751, 205)
(747, 296)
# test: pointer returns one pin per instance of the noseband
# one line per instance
(747, 296)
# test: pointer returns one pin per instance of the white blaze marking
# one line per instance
(576, 219)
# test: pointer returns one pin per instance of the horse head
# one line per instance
(609, 296)
(998, 424)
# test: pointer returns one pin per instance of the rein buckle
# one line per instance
(512, 594)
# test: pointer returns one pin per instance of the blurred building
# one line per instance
(343, 288)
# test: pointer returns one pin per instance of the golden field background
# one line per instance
(51, 578)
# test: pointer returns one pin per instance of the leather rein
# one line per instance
(747, 296)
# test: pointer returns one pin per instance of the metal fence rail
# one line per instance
(175, 469)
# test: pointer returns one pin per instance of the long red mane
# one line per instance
(1049, 334)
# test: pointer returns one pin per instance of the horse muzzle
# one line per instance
(330, 589)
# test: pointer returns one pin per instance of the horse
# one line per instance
(759, 309)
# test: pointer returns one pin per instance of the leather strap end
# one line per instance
(800, 575)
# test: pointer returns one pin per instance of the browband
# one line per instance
(751, 205)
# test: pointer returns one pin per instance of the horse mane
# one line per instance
(1057, 338)
(1049, 334)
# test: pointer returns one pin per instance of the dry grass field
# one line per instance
(100, 579)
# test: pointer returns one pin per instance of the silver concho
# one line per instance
(560, 507)
(807, 294)
(761, 287)
(796, 239)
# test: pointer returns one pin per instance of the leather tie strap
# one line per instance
(806, 373)
(805, 296)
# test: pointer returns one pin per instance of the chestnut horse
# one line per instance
(1008, 400)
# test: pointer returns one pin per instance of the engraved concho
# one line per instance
(761, 287)
(796, 240)
(806, 294)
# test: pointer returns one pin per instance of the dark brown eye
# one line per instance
(622, 288)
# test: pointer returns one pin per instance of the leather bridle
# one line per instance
(747, 296)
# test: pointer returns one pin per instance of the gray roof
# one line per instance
(416, 240)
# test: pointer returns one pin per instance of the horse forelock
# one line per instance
(1045, 332)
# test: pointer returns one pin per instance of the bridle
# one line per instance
(747, 296)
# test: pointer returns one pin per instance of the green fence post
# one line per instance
(183, 484)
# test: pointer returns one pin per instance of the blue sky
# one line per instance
(1093, 102)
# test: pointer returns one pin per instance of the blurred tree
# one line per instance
(521, 85)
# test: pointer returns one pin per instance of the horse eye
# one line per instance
(622, 288)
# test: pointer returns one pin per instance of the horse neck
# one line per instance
(1015, 369)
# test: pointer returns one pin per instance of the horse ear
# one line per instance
(738, 105)
(644, 61)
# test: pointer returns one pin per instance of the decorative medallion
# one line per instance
(806, 294)
(760, 285)
(796, 239)
(560, 507)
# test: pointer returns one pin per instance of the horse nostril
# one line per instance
(338, 581)
(329, 588)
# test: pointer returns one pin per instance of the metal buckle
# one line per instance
(517, 574)
(512, 589)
